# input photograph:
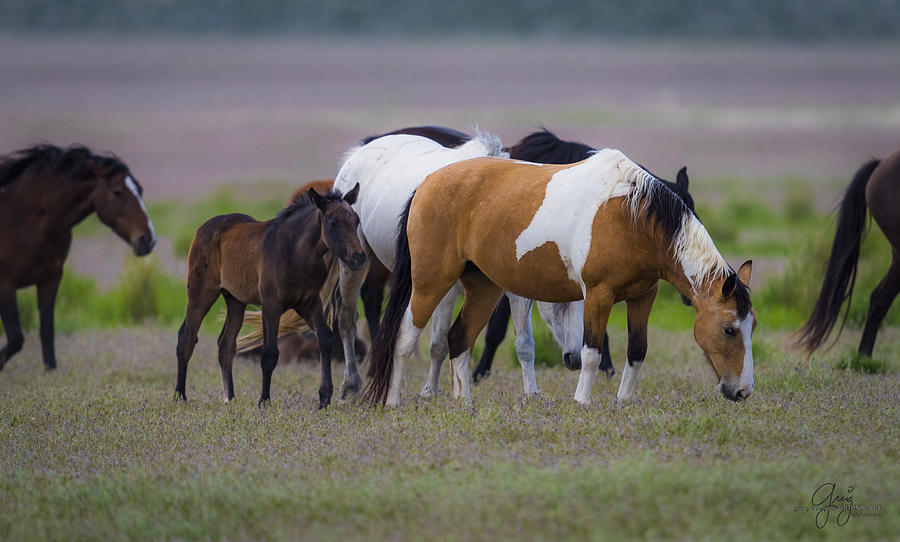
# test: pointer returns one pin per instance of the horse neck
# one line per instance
(692, 263)
(67, 202)
(304, 233)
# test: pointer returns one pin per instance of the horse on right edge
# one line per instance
(877, 186)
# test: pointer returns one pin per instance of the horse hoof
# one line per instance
(349, 390)
(478, 376)
(179, 396)
(263, 402)
(49, 368)
(610, 373)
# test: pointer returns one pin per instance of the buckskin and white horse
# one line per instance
(603, 230)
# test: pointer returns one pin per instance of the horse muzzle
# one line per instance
(356, 260)
(144, 244)
(734, 391)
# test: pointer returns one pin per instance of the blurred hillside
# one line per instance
(698, 20)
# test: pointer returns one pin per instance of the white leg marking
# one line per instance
(460, 372)
(520, 309)
(590, 362)
(407, 339)
(629, 381)
(440, 325)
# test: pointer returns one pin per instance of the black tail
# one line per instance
(841, 273)
(381, 354)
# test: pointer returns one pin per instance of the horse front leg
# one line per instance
(638, 316)
(350, 284)
(9, 314)
(271, 317)
(597, 304)
(46, 297)
(520, 309)
(315, 317)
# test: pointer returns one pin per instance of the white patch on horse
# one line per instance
(525, 163)
(571, 201)
(746, 327)
(590, 362)
(389, 169)
(629, 381)
(132, 186)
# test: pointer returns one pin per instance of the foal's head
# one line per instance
(724, 327)
(339, 226)
(119, 204)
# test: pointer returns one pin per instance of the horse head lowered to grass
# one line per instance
(45, 191)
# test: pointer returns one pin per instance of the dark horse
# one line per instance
(280, 264)
(544, 147)
(44, 191)
(876, 184)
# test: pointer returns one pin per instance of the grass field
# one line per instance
(99, 450)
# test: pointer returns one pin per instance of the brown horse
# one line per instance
(603, 230)
(280, 264)
(44, 191)
(876, 185)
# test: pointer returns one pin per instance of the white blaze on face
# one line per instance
(132, 186)
(746, 328)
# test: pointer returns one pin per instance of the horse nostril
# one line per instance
(743, 393)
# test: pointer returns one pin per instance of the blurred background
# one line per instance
(224, 105)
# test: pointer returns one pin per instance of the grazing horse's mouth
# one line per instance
(356, 260)
(144, 245)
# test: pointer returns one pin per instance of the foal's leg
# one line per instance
(597, 304)
(496, 331)
(879, 303)
(46, 295)
(271, 316)
(9, 314)
(520, 308)
(350, 282)
(481, 298)
(638, 315)
(234, 318)
(200, 300)
(440, 325)
(315, 317)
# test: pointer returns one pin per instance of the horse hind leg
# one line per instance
(520, 309)
(879, 302)
(440, 325)
(481, 298)
(200, 300)
(234, 318)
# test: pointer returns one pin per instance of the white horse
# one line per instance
(389, 169)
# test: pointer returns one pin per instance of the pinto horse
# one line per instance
(544, 147)
(45, 191)
(280, 264)
(877, 186)
(603, 230)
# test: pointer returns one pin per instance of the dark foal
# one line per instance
(45, 191)
(281, 264)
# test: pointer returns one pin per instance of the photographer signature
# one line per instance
(825, 502)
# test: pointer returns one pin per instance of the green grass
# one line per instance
(99, 450)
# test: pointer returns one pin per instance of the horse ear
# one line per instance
(729, 285)
(317, 199)
(745, 271)
(350, 197)
(682, 179)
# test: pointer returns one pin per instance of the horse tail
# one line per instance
(840, 275)
(381, 354)
(290, 322)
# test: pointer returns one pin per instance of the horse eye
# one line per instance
(117, 193)
(730, 331)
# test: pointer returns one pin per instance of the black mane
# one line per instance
(742, 299)
(301, 202)
(544, 147)
(76, 162)
(448, 137)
